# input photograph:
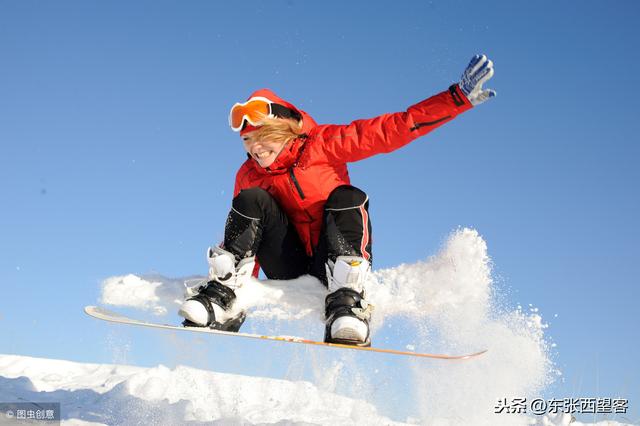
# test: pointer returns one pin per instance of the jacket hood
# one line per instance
(308, 122)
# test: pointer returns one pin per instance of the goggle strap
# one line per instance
(284, 112)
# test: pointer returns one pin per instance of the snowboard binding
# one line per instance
(209, 305)
(347, 316)
(213, 297)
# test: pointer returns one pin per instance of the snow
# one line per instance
(102, 394)
(447, 304)
(117, 394)
(457, 280)
(148, 294)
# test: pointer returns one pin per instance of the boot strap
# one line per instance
(221, 294)
(347, 298)
(206, 302)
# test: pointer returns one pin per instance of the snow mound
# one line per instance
(123, 395)
(103, 394)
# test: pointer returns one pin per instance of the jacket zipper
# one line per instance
(428, 123)
(295, 182)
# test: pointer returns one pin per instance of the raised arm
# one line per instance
(364, 138)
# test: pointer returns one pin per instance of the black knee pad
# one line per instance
(345, 196)
(252, 202)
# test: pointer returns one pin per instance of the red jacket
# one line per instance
(307, 170)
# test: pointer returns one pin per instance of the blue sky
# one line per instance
(116, 157)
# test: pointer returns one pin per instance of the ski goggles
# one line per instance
(254, 110)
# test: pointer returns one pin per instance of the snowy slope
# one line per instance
(123, 395)
(117, 394)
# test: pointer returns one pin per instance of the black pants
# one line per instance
(256, 225)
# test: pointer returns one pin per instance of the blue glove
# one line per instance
(479, 70)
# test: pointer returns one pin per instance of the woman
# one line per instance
(294, 210)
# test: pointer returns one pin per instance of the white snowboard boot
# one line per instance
(209, 305)
(347, 313)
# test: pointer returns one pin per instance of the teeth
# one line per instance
(263, 154)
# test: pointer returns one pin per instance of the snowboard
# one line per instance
(106, 315)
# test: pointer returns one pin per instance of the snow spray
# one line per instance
(445, 304)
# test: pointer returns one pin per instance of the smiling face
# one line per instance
(264, 152)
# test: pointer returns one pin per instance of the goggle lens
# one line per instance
(252, 111)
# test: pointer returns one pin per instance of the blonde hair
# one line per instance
(273, 129)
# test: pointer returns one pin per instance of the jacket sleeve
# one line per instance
(364, 138)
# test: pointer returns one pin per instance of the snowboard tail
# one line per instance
(106, 315)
